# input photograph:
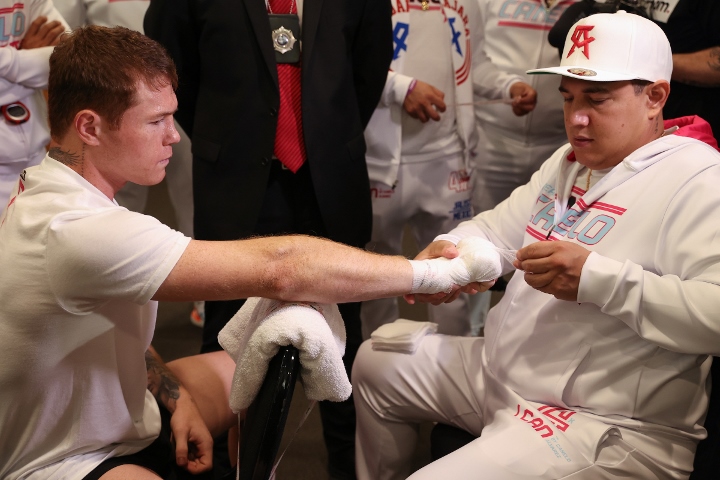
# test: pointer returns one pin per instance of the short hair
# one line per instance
(99, 68)
(639, 85)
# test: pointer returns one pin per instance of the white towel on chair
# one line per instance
(257, 331)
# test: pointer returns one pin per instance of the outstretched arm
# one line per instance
(305, 268)
(286, 268)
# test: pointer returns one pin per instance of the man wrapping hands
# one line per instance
(595, 363)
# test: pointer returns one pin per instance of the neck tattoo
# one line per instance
(71, 159)
(587, 182)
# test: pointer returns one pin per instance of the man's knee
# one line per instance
(370, 370)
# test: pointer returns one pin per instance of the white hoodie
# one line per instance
(634, 349)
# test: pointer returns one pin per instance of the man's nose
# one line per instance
(174, 136)
(579, 117)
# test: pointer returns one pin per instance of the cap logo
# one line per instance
(582, 72)
(581, 39)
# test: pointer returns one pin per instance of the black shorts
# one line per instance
(159, 456)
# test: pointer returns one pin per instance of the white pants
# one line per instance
(444, 382)
(178, 175)
(431, 198)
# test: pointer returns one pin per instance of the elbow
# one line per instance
(282, 278)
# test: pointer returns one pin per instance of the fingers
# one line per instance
(424, 102)
(539, 281)
(475, 287)
(435, 298)
(35, 25)
(42, 33)
(199, 456)
(524, 98)
(51, 32)
(181, 448)
(440, 248)
(191, 453)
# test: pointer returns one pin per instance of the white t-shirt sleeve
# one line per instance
(114, 254)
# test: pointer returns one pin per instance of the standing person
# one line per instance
(276, 120)
(512, 148)
(28, 31)
(595, 362)
(82, 394)
(422, 139)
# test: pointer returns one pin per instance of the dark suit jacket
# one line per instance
(228, 102)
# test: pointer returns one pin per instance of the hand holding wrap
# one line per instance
(479, 261)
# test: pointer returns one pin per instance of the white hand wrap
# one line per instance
(479, 261)
(432, 276)
(483, 259)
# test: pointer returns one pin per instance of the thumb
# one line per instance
(181, 449)
(449, 251)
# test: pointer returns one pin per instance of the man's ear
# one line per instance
(89, 126)
(657, 94)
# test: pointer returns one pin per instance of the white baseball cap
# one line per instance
(608, 47)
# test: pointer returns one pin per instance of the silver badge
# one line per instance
(283, 40)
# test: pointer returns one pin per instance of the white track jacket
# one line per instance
(633, 351)
(384, 133)
(516, 39)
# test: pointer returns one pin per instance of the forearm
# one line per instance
(286, 268)
(700, 68)
(11, 92)
(29, 68)
(678, 315)
(162, 383)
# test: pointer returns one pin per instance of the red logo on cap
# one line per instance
(581, 39)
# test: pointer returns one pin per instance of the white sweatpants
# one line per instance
(444, 381)
(432, 198)
(178, 176)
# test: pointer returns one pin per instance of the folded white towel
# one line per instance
(258, 330)
(401, 336)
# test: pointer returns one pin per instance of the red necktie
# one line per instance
(289, 143)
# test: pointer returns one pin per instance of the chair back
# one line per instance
(262, 431)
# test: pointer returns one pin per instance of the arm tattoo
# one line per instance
(67, 158)
(162, 383)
